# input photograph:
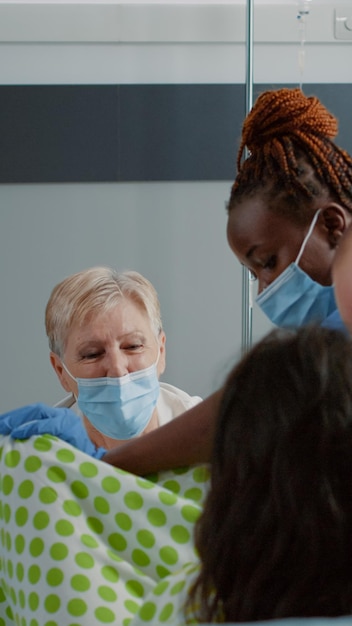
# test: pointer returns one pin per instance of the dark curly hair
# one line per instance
(275, 537)
(289, 137)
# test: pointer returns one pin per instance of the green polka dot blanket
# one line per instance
(85, 544)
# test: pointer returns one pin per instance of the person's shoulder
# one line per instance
(173, 401)
(175, 393)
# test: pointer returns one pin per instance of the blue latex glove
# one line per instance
(38, 419)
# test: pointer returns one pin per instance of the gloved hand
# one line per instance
(38, 419)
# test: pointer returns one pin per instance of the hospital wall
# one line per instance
(119, 126)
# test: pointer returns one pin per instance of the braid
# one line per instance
(285, 132)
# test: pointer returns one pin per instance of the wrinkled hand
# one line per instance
(38, 419)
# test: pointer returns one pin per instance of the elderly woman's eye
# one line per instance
(91, 355)
(134, 346)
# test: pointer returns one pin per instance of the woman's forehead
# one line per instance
(253, 218)
(116, 315)
(115, 312)
(253, 229)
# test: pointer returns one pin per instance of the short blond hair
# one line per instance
(96, 290)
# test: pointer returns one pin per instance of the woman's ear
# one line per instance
(60, 372)
(162, 354)
(335, 220)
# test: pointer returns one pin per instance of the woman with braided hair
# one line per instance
(290, 205)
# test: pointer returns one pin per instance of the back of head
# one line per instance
(93, 291)
(275, 536)
(290, 140)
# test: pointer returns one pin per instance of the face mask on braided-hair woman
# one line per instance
(289, 206)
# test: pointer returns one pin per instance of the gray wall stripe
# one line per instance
(112, 133)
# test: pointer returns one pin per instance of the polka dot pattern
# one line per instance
(166, 603)
(84, 543)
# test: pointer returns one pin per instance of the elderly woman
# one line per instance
(107, 347)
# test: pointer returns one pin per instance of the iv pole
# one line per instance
(246, 286)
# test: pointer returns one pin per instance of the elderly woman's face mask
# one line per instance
(120, 408)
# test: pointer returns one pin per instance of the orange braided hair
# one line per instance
(284, 132)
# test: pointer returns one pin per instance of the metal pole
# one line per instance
(246, 286)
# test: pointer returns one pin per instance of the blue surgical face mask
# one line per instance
(294, 298)
(120, 408)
